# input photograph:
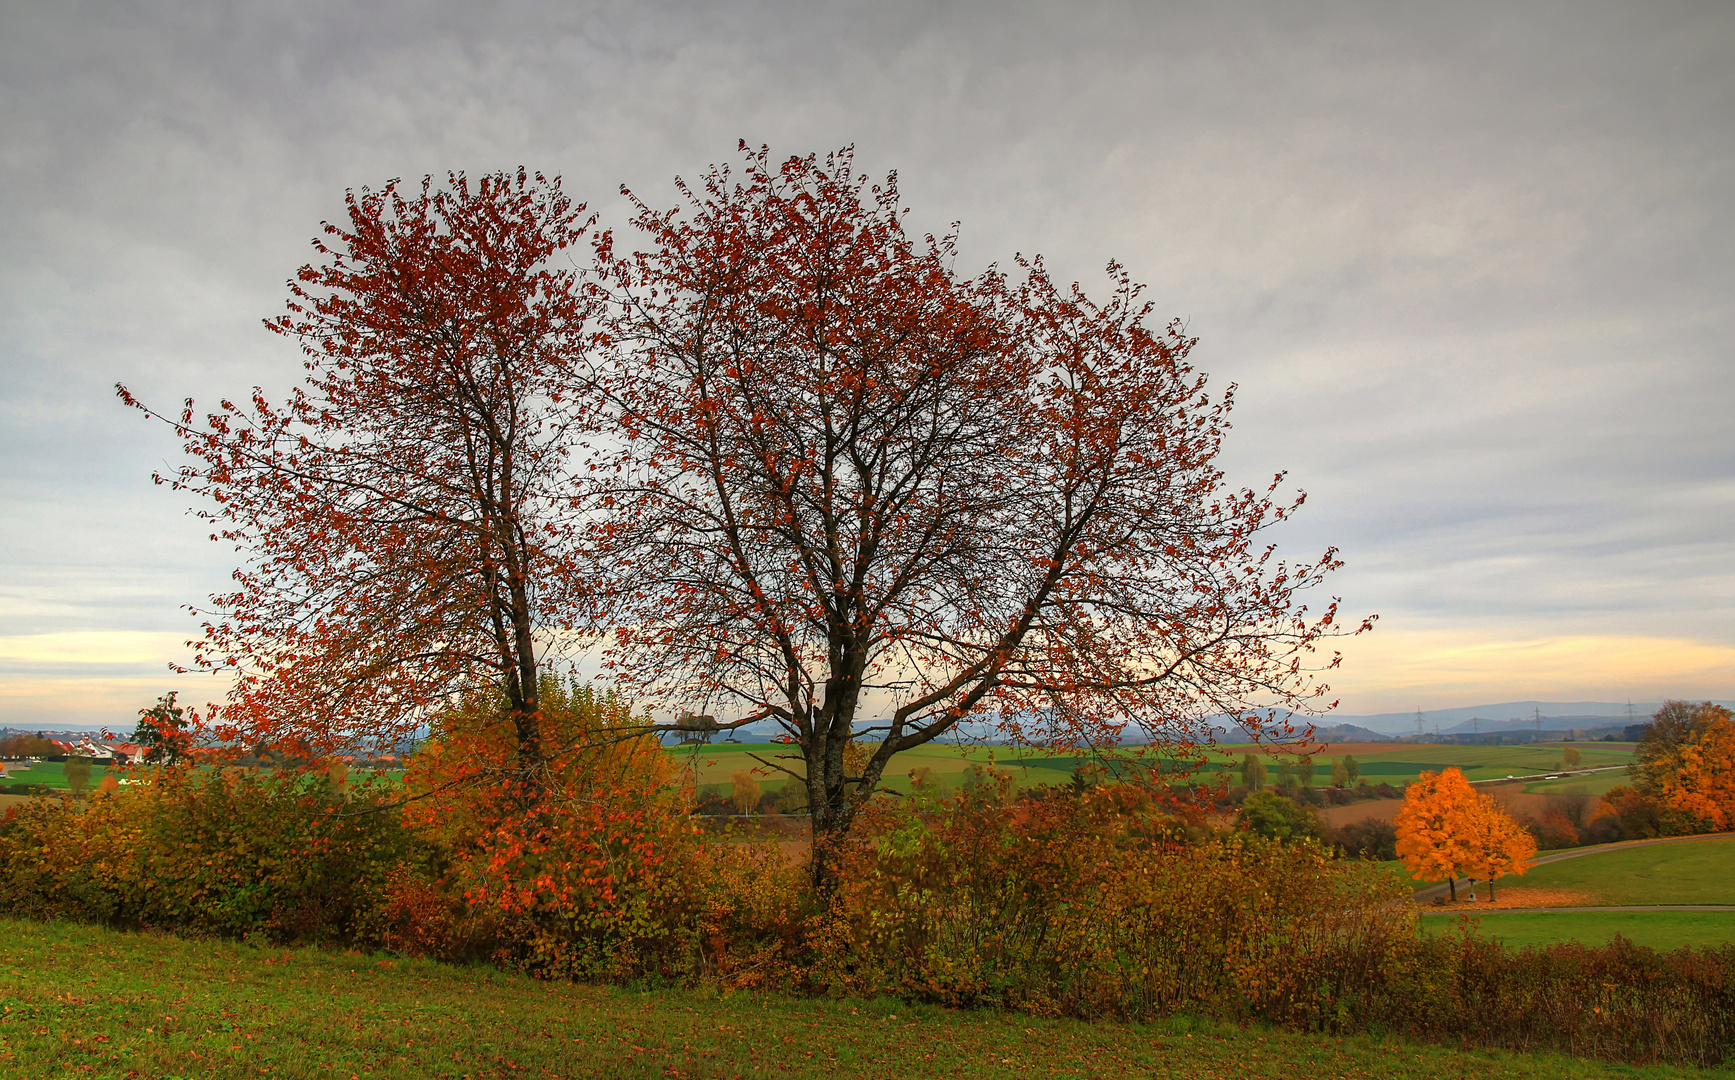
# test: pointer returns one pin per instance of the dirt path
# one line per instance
(1630, 907)
(1435, 891)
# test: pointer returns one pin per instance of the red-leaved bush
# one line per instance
(591, 867)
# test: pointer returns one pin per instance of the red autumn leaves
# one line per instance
(783, 464)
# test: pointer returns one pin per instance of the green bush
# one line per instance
(1618, 1001)
(1095, 903)
(1277, 818)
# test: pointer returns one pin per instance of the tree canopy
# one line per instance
(785, 463)
(1686, 761)
(863, 496)
(1447, 829)
(404, 513)
(162, 731)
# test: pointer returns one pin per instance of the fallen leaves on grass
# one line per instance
(1520, 896)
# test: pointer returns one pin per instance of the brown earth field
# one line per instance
(1373, 810)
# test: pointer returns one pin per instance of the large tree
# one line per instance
(865, 497)
(1435, 827)
(404, 513)
(1686, 761)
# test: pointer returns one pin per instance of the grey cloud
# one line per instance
(1470, 265)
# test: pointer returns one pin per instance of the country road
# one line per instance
(1433, 892)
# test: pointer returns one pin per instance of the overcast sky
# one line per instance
(1473, 269)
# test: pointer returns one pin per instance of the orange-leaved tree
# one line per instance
(1446, 828)
(404, 513)
(864, 497)
(1685, 762)
(1498, 844)
(1703, 782)
(1435, 827)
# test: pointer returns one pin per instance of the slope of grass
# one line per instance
(1656, 929)
(81, 1001)
(1694, 872)
(1700, 871)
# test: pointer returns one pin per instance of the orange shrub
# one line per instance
(590, 867)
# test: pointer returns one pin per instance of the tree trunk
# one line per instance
(1452, 883)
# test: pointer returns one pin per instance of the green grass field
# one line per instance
(1599, 783)
(81, 1001)
(1656, 929)
(52, 774)
(715, 765)
(1694, 872)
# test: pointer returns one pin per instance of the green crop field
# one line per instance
(1483, 762)
(82, 1001)
(715, 764)
(1655, 929)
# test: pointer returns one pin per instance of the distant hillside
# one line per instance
(1322, 732)
(1558, 723)
(1511, 716)
(1348, 733)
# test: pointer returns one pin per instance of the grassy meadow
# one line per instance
(1693, 872)
(83, 1001)
(714, 766)
(1690, 872)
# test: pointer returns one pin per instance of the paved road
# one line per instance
(1435, 891)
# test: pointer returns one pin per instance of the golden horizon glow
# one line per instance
(1399, 670)
(1386, 671)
